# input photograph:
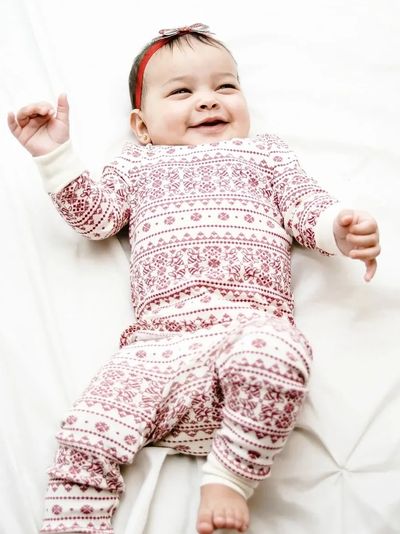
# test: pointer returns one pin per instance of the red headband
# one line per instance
(158, 43)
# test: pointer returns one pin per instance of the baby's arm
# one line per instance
(95, 209)
(313, 217)
(357, 236)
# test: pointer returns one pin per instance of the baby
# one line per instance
(214, 364)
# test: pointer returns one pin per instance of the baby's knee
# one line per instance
(263, 351)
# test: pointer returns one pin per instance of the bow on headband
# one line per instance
(158, 42)
(198, 28)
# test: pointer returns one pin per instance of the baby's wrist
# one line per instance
(44, 151)
(59, 167)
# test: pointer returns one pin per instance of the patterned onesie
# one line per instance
(214, 363)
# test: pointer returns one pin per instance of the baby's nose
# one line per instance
(209, 105)
(207, 101)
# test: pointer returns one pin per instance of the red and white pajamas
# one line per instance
(214, 364)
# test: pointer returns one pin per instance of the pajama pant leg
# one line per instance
(103, 430)
(132, 401)
(263, 373)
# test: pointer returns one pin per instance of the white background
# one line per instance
(324, 75)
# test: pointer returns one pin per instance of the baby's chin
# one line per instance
(193, 137)
(200, 138)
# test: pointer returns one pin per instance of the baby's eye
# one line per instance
(227, 86)
(180, 91)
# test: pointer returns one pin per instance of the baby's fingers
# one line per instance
(363, 241)
(32, 111)
(13, 124)
(365, 253)
(364, 227)
(371, 266)
(346, 218)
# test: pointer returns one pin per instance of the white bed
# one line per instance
(325, 76)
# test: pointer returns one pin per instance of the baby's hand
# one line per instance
(39, 128)
(357, 236)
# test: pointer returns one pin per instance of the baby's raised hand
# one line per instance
(39, 128)
(357, 236)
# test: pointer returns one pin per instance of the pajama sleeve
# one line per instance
(95, 209)
(308, 210)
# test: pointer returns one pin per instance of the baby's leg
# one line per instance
(109, 424)
(263, 375)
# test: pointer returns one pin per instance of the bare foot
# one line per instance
(221, 507)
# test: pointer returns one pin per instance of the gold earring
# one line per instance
(145, 138)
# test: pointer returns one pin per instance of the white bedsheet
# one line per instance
(324, 75)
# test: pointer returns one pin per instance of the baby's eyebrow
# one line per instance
(188, 77)
(178, 79)
(233, 75)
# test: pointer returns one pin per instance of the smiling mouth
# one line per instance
(210, 124)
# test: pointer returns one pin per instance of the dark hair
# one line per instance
(175, 40)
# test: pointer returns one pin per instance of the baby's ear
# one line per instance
(139, 127)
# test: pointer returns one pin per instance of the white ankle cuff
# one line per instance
(215, 473)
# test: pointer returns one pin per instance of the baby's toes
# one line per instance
(239, 522)
(244, 526)
(219, 518)
(205, 522)
(226, 518)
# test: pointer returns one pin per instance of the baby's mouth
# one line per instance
(211, 124)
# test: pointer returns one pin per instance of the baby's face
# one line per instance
(191, 96)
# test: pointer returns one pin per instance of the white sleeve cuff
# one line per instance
(323, 230)
(59, 167)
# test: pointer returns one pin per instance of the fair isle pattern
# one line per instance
(214, 359)
(211, 221)
(235, 388)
